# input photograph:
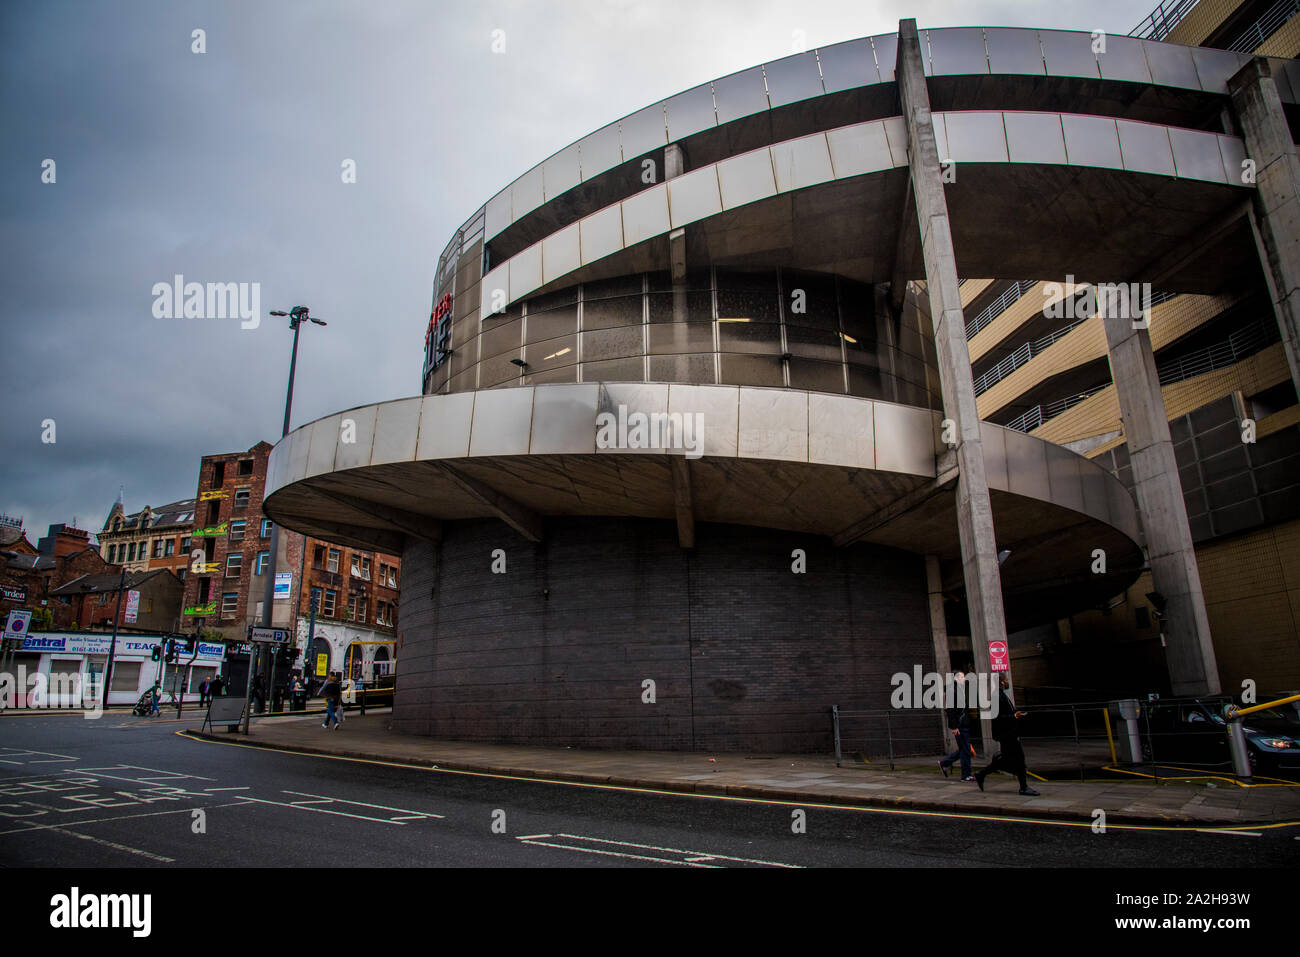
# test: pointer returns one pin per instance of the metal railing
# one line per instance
(1242, 344)
(1033, 418)
(1020, 357)
(1273, 20)
(998, 306)
(1167, 15)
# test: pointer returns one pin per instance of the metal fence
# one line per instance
(1273, 20)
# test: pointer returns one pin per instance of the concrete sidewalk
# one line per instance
(916, 785)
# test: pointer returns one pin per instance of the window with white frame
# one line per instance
(333, 563)
(229, 604)
(237, 530)
(233, 564)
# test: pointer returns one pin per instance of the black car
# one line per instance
(1194, 733)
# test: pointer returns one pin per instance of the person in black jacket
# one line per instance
(959, 725)
(332, 692)
(1011, 757)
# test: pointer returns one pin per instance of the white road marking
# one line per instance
(690, 858)
(123, 817)
(533, 837)
(49, 756)
(381, 807)
(99, 840)
(244, 788)
(1206, 830)
(321, 810)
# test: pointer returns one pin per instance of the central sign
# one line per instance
(438, 333)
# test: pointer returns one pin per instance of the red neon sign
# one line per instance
(442, 309)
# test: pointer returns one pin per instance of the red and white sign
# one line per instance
(132, 607)
(16, 627)
(999, 656)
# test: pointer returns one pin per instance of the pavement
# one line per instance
(1127, 795)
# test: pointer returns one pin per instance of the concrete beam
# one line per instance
(1185, 629)
(682, 499)
(974, 510)
(1269, 146)
(519, 517)
(400, 520)
(904, 250)
(939, 637)
(907, 502)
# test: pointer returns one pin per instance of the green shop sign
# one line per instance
(209, 609)
(212, 531)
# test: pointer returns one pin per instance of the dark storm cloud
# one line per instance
(225, 167)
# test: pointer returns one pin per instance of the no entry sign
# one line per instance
(999, 657)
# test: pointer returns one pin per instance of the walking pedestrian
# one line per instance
(332, 692)
(204, 690)
(1011, 757)
(218, 686)
(959, 725)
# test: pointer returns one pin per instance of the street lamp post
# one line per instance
(297, 316)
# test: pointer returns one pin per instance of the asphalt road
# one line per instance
(124, 792)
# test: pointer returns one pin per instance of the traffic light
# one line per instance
(171, 651)
(156, 653)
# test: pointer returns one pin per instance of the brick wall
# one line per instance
(745, 655)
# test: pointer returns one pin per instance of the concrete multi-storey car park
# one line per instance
(776, 255)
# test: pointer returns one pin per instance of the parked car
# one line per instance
(1194, 733)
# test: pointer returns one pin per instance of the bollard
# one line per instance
(1130, 710)
(1237, 743)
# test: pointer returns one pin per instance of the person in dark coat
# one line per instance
(332, 692)
(959, 725)
(1011, 757)
(217, 688)
(205, 689)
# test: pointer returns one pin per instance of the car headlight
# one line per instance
(1275, 744)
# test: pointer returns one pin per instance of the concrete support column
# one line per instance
(1185, 628)
(939, 636)
(1277, 196)
(979, 551)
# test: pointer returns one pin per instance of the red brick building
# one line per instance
(28, 575)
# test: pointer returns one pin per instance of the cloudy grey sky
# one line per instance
(225, 167)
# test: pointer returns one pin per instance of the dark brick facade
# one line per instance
(745, 654)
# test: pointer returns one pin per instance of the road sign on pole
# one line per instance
(999, 657)
(274, 635)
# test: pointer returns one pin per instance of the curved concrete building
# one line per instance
(697, 454)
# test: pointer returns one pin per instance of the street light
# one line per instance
(297, 316)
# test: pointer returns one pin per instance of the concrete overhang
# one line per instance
(847, 468)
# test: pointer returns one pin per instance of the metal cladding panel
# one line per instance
(1027, 465)
(525, 271)
(397, 427)
(692, 197)
(740, 94)
(601, 233)
(296, 460)
(941, 137)
(495, 288)
(896, 133)
(1145, 148)
(1014, 51)
(802, 162)
(742, 179)
(564, 420)
(1124, 59)
(841, 431)
(773, 424)
(689, 112)
(323, 444)
(1122, 509)
(561, 253)
(1215, 67)
(643, 131)
(904, 439)
(622, 400)
(720, 406)
(600, 151)
(1068, 54)
(1096, 500)
(1063, 473)
(885, 49)
(502, 422)
(1091, 141)
(859, 149)
(846, 66)
(1197, 156)
(562, 172)
(995, 456)
(526, 194)
(1171, 64)
(359, 424)
(793, 78)
(1035, 137)
(497, 213)
(646, 214)
(1233, 152)
(956, 51)
(976, 137)
(444, 426)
